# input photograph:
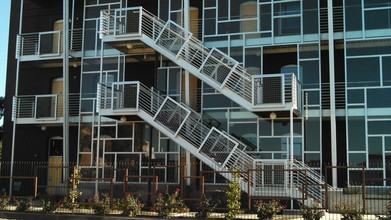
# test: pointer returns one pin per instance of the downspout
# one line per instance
(333, 126)
(16, 94)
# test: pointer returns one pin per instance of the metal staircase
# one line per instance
(275, 92)
(218, 149)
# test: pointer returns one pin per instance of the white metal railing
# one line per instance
(222, 149)
(48, 43)
(43, 107)
(212, 65)
(275, 89)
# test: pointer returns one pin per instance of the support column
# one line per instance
(16, 94)
(66, 82)
(333, 126)
(186, 24)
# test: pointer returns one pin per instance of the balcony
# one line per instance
(47, 45)
(277, 92)
(39, 109)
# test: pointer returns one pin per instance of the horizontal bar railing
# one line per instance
(48, 106)
(47, 43)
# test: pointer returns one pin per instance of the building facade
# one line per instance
(249, 81)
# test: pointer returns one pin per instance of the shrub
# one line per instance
(71, 200)
(22, 205)
(266, 210)
(311, 213)
(4, 202)
(167, 204)
(233, 197)
(349, 210)
(131, 206)
(204, 207)
(48, 206)
(387, 214)
(101, 206)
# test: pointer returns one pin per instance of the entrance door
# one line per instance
(57, 88)
(54, 164)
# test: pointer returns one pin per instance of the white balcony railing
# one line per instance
(47, 44)
(43, 107)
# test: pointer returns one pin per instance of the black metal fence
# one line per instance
(78, 189)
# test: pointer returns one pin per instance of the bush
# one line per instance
(167, 204)
(4, 202)
(22, 205)
(349, 210)
(387, 214)
(311, 213)
(101, 206)
(233, 197)
(266, 210)
(131, 206)
(48, 206)
(204, 207)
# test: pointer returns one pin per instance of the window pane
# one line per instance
(356, 133)
(377, 19)
(357, 159)
(355, 96)
(353, 21)
(363, 72)
(313, 134)
(375, 152)
(386, 71)
(378, 98)
(379, 127)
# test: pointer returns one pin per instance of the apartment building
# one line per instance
(225, 84)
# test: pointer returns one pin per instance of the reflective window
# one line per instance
(378, 98)
(379, 127)
(363, 71)
(355, 96)
(353, 15)
(356, 133)
(375, 152)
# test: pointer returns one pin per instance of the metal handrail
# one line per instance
(25, 106)
(30, 43)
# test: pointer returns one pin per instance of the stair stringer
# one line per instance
(185, 65)
(189, 147)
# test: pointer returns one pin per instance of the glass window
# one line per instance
(287, 26)
(353, 21)
(272, 144)
(265, 127)
(312, 97)
(89, 85)
(312, 159)
(310, 77)
(313, 138)
(307, 51)
(378, 98)
(210, 22)
(387, 143)
(357, 159)
(379, 127)
(167, 145)
(386, 68)
(246, 132)
(363, 71)
(356, 133)
(125, 130)
(211, 101)
(355, 96)
(377, 19)
(282, 127)
(375, 152)
(217, 118)
(223, 9)
(310, 17)
(265, 17)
